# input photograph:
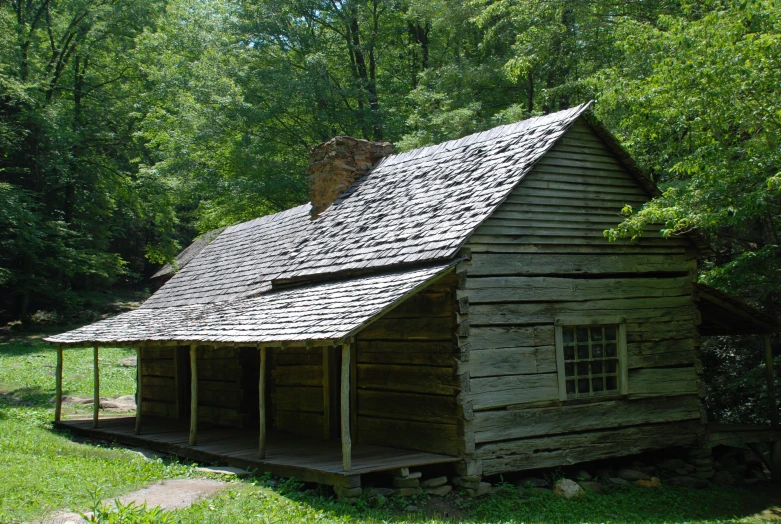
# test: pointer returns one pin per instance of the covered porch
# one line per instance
(724, 315)
(336, 458)
(286, 455)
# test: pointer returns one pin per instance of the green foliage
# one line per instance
(118, 513)
(697, 102)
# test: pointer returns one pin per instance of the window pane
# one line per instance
(591, 360)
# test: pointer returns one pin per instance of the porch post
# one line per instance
(193, 396)
(58, 387)
(345, 403)
(771, 385)
(95, 387)
(139, 390)
(262, 403)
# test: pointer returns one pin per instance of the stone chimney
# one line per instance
(337, 164)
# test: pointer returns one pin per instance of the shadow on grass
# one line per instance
(624, 504)
(27, 397)
(19, 346)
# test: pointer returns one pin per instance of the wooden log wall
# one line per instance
(543, 254)
(407, 375)
(227, 384)
(158, 377)
(297, 403)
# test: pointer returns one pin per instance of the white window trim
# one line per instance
(572, 320)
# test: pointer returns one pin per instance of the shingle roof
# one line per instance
(327, 311)
(238, 263)
(411, 209)
(424, 204)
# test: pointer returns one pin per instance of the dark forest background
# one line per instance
(128, 127)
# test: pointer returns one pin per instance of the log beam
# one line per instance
(193, 396)
(345, 404)
(326, 393)
(58, 391)
(262, 404)
(139, 390)
(95, 387)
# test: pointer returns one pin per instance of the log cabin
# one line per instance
(457, 304)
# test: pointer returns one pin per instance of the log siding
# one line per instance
(407, 375)
(542, 255)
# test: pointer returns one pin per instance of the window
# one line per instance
(591, 357)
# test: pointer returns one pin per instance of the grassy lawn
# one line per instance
(43, 471)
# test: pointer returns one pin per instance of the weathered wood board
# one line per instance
(542, 256)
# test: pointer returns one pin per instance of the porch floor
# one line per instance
(287, 455)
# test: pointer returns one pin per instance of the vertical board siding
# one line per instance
(543, 254)
(407, 383)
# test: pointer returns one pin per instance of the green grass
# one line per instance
(42, 471)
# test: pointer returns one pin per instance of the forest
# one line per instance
(129, 127)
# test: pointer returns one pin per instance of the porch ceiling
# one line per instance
(723, 314)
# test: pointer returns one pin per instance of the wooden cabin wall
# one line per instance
(227, 384)
(296, 391)
(543, 254)
(407, 384)
(158, 378)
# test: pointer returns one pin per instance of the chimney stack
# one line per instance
(336, 165)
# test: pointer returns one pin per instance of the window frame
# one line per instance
(623, 365)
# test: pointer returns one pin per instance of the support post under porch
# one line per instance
(95, 387)
(262, 404)
(345, 405)
(58, 390)
(193, 396)
(139, 391)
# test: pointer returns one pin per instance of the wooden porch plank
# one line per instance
(287, 455)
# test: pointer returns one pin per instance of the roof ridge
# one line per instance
(488, 134)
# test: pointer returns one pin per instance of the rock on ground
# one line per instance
(590, 485)
(568, 489)
(129, 362)
(224, 470)
(167, 494)
(653, 482)
(173, 494)
(533, 481)
(632, 475)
